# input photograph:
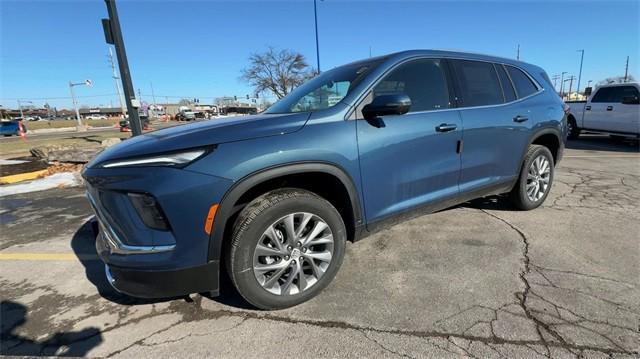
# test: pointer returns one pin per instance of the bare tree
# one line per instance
(616, 80)
(277, 71)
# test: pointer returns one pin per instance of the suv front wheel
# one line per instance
(287, 246)
(536, 178)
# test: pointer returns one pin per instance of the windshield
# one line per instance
(326, 89)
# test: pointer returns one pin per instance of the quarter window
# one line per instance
(424, 81)
(524, 85)
(479, 84)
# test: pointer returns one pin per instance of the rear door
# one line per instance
(496, 124)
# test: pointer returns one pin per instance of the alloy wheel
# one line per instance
(293, 253)
(538, 178)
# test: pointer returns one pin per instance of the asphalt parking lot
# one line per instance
(477, 280)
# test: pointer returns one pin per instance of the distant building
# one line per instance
(106, 111)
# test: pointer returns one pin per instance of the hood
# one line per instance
(211, 132)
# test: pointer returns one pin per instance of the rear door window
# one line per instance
(620, 92)
(507, 87)
(524, 85)
(479, 84)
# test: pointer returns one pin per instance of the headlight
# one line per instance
(174, 159)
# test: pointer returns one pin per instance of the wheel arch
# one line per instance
(254, 184)
(550, 138)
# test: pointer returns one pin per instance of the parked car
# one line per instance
(611, 109)
(96, 117)
(11, 127)
(185, 114)
(275, 197)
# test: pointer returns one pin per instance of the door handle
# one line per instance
(520, 118)
(446, 127)
(588, 108)
(609, 108)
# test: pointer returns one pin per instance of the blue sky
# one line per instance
(198, 48)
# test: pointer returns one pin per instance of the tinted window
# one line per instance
(602, 95)
(507, 87)
(423, 81)
(524, 85)
(614, 94)
(479, 84)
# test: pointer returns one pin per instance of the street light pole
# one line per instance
(75, 102)
(20, 108)
(315, 15)
(580, 73)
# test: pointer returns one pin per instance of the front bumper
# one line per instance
(164, 284)
(150, 263)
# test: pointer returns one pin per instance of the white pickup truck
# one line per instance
(611, 109)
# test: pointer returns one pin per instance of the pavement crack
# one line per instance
(523, 295)
(385, 348)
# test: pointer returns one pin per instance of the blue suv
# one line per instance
(273, 198)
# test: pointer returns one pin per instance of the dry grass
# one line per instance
(39, 125)
(8, 148)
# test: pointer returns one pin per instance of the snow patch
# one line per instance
(66, 179)
(11, 162)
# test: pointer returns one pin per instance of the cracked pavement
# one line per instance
(479, 280)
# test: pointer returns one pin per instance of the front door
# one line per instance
(411, 160)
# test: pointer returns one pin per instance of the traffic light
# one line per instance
(247, 97)
(235, 98)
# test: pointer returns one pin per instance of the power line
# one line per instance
(52, 97)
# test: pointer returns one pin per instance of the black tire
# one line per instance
(518, 194)
(252, 222)
(574, 130)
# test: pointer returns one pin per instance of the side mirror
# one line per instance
(384, 105)
(631, 100)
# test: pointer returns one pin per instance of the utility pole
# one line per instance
(518, 53)
(113, 35)
(315, 15)
(571, 84)
(580, 73)
(562, 82)
(555, 81)
(626, 70)
(115, 82)
(369, 50)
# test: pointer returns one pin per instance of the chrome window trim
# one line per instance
(115, 243)
(357, 103)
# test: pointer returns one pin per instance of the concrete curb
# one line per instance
(20, 177)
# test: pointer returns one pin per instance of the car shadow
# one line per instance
(493, 203)
(595, 142)
(72, 343)
(83, 245)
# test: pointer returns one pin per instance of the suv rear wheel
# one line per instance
(287, 246)
(536, 177)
